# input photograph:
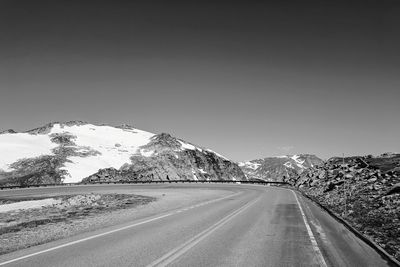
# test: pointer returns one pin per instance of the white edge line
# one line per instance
(105, 233)
(314, 243)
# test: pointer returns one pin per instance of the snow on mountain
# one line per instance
(115, 146)
(69, 152)
(288, 165)
(276, 168)
(14, 146)
(219, 155)
(249, 164)
(188, 146)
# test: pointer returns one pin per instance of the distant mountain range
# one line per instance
(279, 168)
(73, 151)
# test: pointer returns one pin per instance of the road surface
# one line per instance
(252, 226)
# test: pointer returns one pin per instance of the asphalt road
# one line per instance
(253, 226)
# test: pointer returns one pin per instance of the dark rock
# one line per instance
(172, 165)
(47, 128)
(9, 131)
(394, 190)
(370, 190)
(125, 126)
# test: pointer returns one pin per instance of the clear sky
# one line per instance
(248, 79)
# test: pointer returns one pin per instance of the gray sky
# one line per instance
(245, 79)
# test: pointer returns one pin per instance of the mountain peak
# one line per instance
(125, 126)
(71, 151)
(47, 127)
(9, 131)
(275, 168)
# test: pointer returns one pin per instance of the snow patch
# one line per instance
(102, 139)
(289, 165)
(300, 166)
(146, 153)
(296, 158)
(31, 204)
(250, 165)
(187, 146)
(194, 175)
(219, 155)
(202, 171)
(299, 163)
(23, 145)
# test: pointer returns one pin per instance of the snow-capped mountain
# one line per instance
(276, 168)
(69, 152)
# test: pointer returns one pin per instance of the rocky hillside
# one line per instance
(73, 151)
(365, 191)
(278, 168)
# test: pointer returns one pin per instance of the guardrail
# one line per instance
(149, 182)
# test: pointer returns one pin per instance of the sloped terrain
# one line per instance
(171, 159)
(277, 168)
(69, 152)
(365, 191)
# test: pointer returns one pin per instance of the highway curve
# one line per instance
(252, 226)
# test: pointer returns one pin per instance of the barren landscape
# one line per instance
(200, 133)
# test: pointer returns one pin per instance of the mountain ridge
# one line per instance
(75, 150)
(279, 167)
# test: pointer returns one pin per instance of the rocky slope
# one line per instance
(278, 168)
(72, 151)
(365, 191)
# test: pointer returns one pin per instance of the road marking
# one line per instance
(112, 231)
(320, 258)
(313, 221)
(182, 249)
